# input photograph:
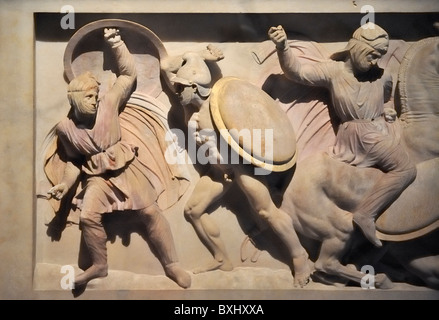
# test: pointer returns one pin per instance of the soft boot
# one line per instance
(95, 239)
(367, 225)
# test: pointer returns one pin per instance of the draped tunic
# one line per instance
(114, 177)
(363, 136)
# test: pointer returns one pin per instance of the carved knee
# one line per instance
(407, 172)
(150, 214)
(190, 213)
(90, 219)
(411, 174)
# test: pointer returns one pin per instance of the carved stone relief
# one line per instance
(226, 165)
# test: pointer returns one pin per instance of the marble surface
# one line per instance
(31, 104)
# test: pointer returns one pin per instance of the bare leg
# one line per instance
(281, 223)
(205, 193)
(159, 233)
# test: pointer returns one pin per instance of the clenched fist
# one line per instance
(278, 36)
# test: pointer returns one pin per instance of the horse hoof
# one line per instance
(383, 282)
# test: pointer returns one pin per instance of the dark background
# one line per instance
(247, 27)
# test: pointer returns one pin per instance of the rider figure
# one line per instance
(365, 138)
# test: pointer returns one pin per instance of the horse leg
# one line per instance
(328, 262)
(419, 257)
(426, 268)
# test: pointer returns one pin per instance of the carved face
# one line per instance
(86, 102)
(186, 93)
(364, 58)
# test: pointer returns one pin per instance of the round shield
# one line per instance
(253, 124)
(86, 51)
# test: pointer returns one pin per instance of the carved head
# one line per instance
(367, 45)
(82, 93)
(374, 36)
(193, 77)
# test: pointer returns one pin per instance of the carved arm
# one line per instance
(127, 77)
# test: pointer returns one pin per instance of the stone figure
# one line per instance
(366, 135)
(409, 223)
(201, 101)
(98, 162)
(370, 201)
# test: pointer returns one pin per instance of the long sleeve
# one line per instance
(308, 74)
(72, 160)
(71, 174)
(126, 79)
(106, 130)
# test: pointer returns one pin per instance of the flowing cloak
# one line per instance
(140, 174)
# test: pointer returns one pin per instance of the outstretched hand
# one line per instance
(278, 36)
(58, 191)
(212, 53)
(111, 35)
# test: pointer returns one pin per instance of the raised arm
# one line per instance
(314, 75)
(126, 79)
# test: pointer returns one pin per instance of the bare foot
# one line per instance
(224, 265)
(180, 276)
(302, 270)
(95, 271)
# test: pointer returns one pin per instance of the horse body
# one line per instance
(322, 194)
